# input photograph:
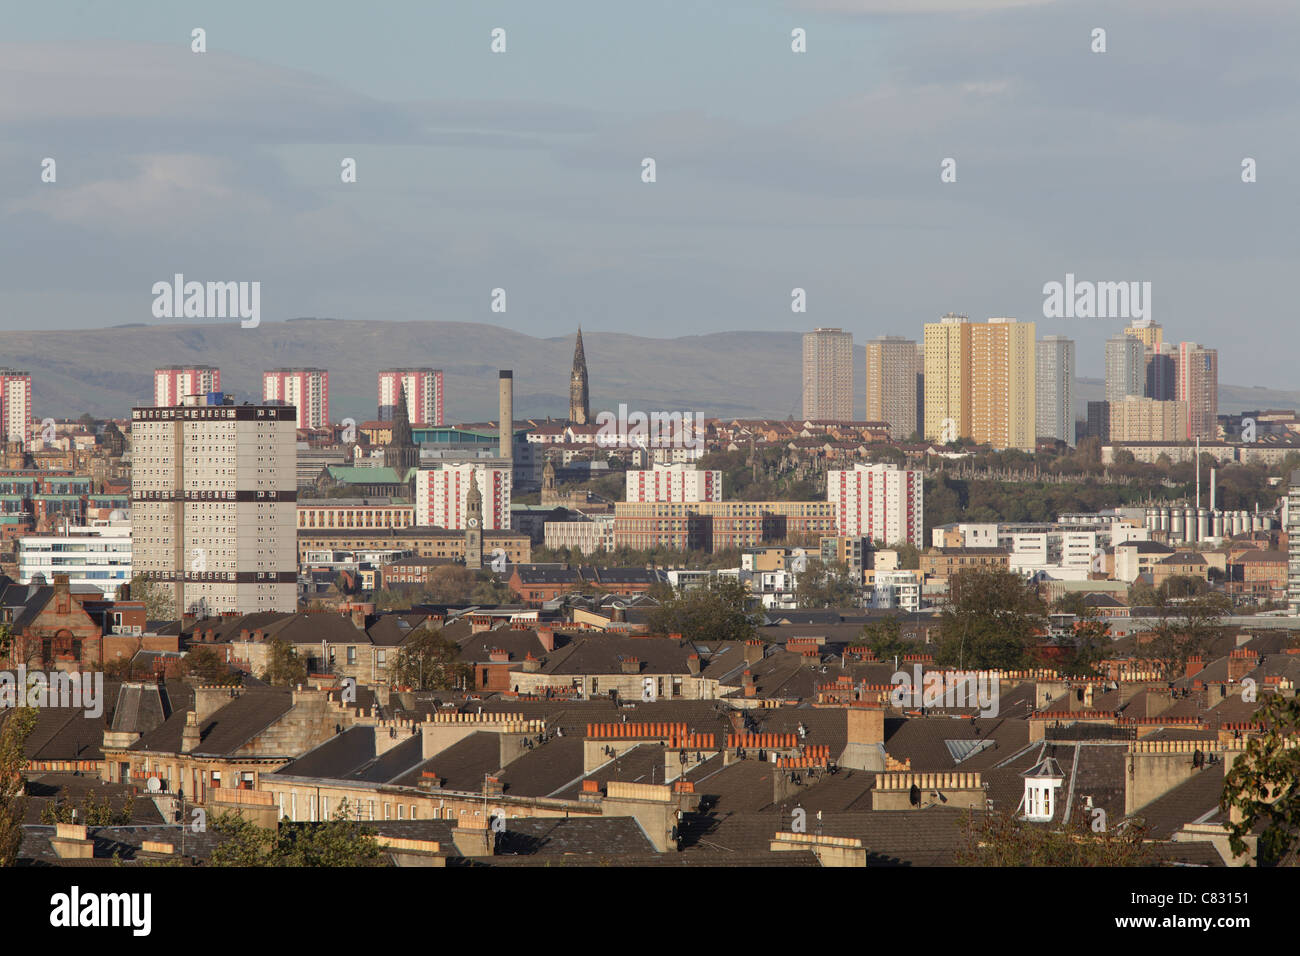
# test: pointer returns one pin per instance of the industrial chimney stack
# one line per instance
(506, 431)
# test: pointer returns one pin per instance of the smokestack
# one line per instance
(506, 431)
(1213, 472)
(1198, 471)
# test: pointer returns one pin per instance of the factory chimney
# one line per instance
(506, 430)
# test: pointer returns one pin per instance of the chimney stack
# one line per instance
(506, 431)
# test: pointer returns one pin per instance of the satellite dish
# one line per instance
(154, 785)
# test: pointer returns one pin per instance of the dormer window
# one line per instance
(1041, 783)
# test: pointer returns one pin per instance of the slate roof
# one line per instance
(544, 771)
(116, 845)
(586, 836)
(44, 789)
(603, 654)
(67, 733)
(1194, 800)
(924, 741)
(462, 766)
(225, 730)
(140, 707)
(927, 837)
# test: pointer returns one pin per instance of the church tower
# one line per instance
(579, 405)
(401, 453)
(474, 525)
(550, 497)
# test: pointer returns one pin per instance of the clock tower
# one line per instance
(474, 525)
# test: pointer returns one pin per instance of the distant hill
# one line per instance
(1232, 398)
(106, 371)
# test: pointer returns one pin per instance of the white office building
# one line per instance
(97, 556)
(897, 589)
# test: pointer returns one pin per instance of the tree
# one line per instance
(429, 661)
(88, 421)
(90, 812)
(488, 591)
(718, 612)
(158, 604)
(284, 666)
(993, 620)
(1260, 786)
(16, 728)
(1183, 628)
(660, 591)
(826, 585)
(338, 842)
(1003, 839)
(206, 665)
(1090, 639)
(1183, 586)
(885, 638)
(1141, 595)
(909, 555)
(450, 584)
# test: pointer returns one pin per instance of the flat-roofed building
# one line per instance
(828, 375)
(355, 513)
(893, 367)
(1145, 419)
(213, 502)
(720, 525)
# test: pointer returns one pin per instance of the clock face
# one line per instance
(473, 522)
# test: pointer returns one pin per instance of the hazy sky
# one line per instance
(522, 170)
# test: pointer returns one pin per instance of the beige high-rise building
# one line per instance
(828, 375)
(980, 381)
(1145, 419)
(1004, 384)
(947, 347)
(1148, 332)
(214, 505)
(892, 369)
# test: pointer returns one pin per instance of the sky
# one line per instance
(775, 170)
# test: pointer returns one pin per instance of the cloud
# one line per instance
(163, 193)
(142, 96)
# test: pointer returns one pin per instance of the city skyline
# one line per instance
(471, 140)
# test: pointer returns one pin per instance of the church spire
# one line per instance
(401, 453)
(579, 404)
